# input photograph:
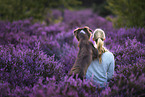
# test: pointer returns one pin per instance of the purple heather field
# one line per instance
(35, 58)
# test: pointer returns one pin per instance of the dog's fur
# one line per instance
(87, 52)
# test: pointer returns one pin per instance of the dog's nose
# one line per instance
(82, 31)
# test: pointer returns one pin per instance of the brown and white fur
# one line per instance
(87, 52)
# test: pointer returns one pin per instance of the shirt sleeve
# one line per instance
(110, 71)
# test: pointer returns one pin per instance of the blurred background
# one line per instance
(38, 48)
(123, 13)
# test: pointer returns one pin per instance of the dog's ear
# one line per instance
(88, 30)
(76, 33)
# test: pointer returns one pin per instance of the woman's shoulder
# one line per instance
(108, 54)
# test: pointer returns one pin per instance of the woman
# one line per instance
(101, 69)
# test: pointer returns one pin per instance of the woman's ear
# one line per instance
(104, 38)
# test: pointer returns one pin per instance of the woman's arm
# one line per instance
(110, 71)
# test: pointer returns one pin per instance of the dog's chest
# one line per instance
(85, 48)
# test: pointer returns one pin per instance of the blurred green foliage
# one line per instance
(20, 9)
(100, 8)
(89, 3)
(69, 4)
(129, 13)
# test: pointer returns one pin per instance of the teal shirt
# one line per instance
(102, 72)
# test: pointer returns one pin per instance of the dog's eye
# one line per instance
(82, 31)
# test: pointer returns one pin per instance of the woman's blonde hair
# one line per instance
(99, 37)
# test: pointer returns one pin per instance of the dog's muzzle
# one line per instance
(82, 31)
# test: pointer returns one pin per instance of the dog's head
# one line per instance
(83, 33)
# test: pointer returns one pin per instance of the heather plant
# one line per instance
(35, 58)
(26, 34)
(68, 56)
(129, 53)
(13, 32)
(86, 18)
(4, 89)
(123, 33)
(23, 67)
(7, 90)
(67, 87)
(129, 80)
(20, 92)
